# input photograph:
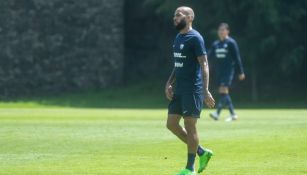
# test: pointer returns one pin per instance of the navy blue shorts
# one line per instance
(186, 105)
(225, 80)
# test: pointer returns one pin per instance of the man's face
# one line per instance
(180, 20)
(223, 32)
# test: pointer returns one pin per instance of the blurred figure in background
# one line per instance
(226, 53)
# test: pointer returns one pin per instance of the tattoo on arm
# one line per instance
(203, 61)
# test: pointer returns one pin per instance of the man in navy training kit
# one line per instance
(190, 77)
(226, 53)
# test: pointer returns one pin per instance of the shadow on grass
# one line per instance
(141, 96)
(146, 95)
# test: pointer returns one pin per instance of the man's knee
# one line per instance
(173, 123)
(170, 126)
(223, 90)
(190, 124)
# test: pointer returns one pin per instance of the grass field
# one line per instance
(76, 141)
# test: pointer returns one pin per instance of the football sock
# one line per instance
(200, 150)
(221, 104)
(229, 104)
(190, 162)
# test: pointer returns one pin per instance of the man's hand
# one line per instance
(209, 100)
(169, 91)
(241, 77)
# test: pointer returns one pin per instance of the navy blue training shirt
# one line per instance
(227, 56)
(187, 47)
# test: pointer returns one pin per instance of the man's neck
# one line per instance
(186, 30)
(223, 39)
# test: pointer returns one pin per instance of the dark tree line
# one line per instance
(57, 46)
(66, 45)
(271, 34)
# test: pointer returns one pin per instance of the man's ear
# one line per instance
(190, 18)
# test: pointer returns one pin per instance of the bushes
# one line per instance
(59, 45)
(270, 34)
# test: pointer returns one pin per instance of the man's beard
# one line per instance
(181, 25)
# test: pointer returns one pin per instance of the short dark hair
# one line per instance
(224, 24)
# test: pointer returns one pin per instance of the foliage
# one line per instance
(59, 45)
(271, 34)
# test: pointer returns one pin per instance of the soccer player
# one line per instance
(190, 77)
(226, 53)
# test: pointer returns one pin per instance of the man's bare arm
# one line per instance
(168, 87)
(171, 78)
(203, 62)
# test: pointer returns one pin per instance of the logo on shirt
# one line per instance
(177, 64)
(179, 55)
(181, 46)
(225, 45)
(221, 52)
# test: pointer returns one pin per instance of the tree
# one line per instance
(270, 34)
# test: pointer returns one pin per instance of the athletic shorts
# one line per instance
(225, 80)
(186, 105)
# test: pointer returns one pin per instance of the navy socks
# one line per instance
(200, 150)
(230, 105)
(222, 103)
(192, 156)
(225, 100)
(190, 162)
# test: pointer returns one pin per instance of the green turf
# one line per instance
(73, 141)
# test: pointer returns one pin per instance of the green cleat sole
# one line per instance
(186, 172)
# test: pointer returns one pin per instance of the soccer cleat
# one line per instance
(231, 118)
(204, 159)
(186, 172)
(214, 115)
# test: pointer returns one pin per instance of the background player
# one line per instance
(191, 78)
(227, 56)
